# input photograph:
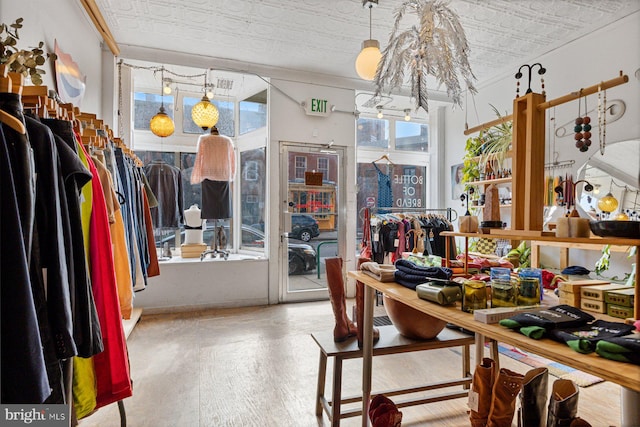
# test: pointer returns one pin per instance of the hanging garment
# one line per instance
(154, 267)
(166, 183)
(215, 159)
(24, 376)
(385, 192)
(112, 365)
(216, 200)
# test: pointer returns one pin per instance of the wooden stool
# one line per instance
(391, 342)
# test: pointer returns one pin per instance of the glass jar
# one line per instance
(532, 273)
(474, 296)
(504, 293)
(528, 291)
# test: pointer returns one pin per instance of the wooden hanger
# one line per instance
(12, 122)
(384, 157)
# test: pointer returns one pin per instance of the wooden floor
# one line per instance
(258, 367)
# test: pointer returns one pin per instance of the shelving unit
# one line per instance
(492, 181)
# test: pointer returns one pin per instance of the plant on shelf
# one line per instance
(497, 141)
(23, 61)
(471, 170)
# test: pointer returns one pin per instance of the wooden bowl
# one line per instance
(412, 323)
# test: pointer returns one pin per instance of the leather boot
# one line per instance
(503, 403)
(335, 282)
(533, 398)
(384, 413)
(360, 309)
(482, 387)
(563, 403)
(579, 422)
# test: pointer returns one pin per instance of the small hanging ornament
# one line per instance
(517, 88)
(582, 128)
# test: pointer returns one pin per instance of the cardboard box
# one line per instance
(597, 292)
(192, 250)
(619, 311)
(575, 285)
(620, 297)
(570, 298)
(496, 314)
(593, 305)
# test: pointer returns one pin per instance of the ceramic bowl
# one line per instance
(628, 229)
(412, 323)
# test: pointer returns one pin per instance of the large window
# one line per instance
(373, 133)
(253, 167)
(226, 121)
(412, 136)
(253, 115)
(146, 105)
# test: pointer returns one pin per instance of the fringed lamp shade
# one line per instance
(205, 114)
(161, 124)
(368, 59)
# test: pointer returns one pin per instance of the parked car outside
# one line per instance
(302, 257)
(303, 227)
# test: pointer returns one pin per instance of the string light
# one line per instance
(407, 114)
(380, 114)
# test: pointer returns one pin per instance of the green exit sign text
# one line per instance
(317, 107)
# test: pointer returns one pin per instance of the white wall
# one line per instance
(66, 22)
(585, 62)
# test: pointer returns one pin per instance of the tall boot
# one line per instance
(481, 387)
(360, 309)
(533, 398)
(503, 403)
(335, 282)
(563, 403)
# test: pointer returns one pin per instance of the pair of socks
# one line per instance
(536, 323)
(584, 339)
(622, 349)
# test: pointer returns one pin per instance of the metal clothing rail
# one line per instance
(405, 211)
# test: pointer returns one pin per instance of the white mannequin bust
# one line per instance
(194, 226)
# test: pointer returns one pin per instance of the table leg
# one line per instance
(479, 348)
(367, 353)
(629, 407)
(466, 256)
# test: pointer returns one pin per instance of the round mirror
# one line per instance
(616, 172)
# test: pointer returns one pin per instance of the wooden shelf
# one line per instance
(491, 181)
(507, 155)
(520, 235)
(480, 207)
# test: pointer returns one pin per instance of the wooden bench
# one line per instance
(391, 342)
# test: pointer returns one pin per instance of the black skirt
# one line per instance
(216, 200)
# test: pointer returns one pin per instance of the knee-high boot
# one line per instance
(335, 282)
(563, 403)
(360, 309)
(482, 387)
(503, 403)
(533, 398)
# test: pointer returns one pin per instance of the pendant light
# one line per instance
(370, 55)
(204, 113)
(161, 124)
(608, 203)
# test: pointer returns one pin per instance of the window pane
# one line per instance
(192, 192)
(408, 187)
(225, 125)
(412, 136)
(253, 166)
(373, 133)
(146, 105)
(253, 115)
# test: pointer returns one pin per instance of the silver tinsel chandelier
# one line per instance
(437, 46)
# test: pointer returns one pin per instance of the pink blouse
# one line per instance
(215, 160)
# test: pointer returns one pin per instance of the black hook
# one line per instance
(541, 71)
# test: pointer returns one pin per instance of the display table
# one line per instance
(624, 374)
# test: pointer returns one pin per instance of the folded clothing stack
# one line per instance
(411, 275)
(622, 349)
(382, 272)
(584, 339)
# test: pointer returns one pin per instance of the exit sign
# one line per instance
(317, 107)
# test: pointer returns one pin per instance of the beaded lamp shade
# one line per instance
(161, 124)
(608, 203)
(205, 114)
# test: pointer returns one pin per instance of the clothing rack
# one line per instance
(376, 210)
(563, 164)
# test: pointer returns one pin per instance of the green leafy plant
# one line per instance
(470, 170)
(23, 61)
(520, 256)
(496, 141)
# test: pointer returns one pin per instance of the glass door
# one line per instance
(310, 218)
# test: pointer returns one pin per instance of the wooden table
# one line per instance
(625, 374)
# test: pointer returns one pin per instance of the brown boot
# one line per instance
(503, 403)
(384, 413)
(360, 309)
(335, 282)
(482, 389)
(579, 422)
